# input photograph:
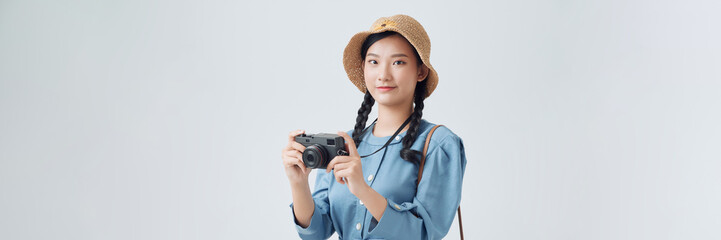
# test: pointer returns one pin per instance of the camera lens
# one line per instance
(315, 156)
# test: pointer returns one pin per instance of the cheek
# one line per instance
(369, 78)
(408, 77)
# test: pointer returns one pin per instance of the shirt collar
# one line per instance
(371, 139)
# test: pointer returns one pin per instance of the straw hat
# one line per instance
(406, 26)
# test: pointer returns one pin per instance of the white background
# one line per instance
(165, 119)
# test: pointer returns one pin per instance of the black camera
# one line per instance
(321, 148)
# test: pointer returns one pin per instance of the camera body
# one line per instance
(321, 148)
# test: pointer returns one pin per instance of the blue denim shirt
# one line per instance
(423, 213)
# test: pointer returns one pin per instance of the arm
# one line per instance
(373, 201)
(316, 222)
(310, 213)
(431, 213)
(303, 205)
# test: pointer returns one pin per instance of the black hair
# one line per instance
(407, 153)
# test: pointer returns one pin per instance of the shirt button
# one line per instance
(370, 177)
(357, 226)
(361, 202)
(398, 138)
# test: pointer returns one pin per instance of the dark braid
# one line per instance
(407, 153)
(360, 121)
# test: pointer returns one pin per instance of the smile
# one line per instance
(385, 89)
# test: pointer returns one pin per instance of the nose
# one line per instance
(383, 73)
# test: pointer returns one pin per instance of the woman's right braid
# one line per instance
(362, 118)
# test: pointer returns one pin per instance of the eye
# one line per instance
(372, 61)
(399, 62)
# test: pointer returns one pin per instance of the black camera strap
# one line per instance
(390, 139)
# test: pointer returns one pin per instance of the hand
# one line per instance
(292, 156)
(348, 169)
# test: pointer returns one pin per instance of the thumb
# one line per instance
(349, 143)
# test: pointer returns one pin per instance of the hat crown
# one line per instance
(406, 26)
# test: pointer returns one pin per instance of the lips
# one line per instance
(385, 89)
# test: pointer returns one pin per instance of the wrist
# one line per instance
(364, 192)
(297, 185)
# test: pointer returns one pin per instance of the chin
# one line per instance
(388, 101)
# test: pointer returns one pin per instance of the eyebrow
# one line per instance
(394, 55)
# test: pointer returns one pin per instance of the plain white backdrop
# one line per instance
(165, 119)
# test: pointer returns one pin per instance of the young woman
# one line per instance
(376, 197)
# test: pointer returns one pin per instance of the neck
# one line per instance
(390, 118)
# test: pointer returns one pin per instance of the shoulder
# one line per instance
(442, 137)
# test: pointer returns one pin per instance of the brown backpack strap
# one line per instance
(460, 222)
(420, 173)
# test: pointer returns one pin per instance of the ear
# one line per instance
(422, 72)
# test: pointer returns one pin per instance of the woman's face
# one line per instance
(391, 71)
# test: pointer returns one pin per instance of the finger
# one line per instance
(340, 175)
(301, 165)
(298, 155)
(291, 135)
(293, 153)
(293, 156)
(297, 146)
(340, 166)
(287, 148)
(342, 171)
(338, 178)
(336, 160)
(349, 144)
(306, 169)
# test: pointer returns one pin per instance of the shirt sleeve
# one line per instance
(321, 226)
(433, 209)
